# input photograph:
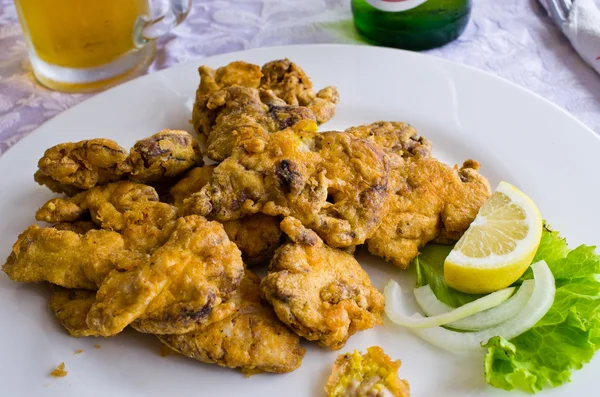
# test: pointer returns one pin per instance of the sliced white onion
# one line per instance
(538, 305)
(392, 293)
(432, 306)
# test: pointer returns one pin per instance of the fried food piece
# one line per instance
(373, 374)
(252, 339)
(148, 225)
(165, 155)
(431, 201)
(79, 227)
(289, 82)
(70, 307)
(70, 167)
(321, 293)
(398, 139)
(60, 371)
(235, 73)
(332, 182)
(233, 114)
(65, 258)
(191, 183)
(257, 236)
(177, 288)
(106, 204)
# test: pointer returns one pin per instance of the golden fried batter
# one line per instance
(372, 374)
(227, 117)
(431, 200)
(70, 167)
(321, 293)
(235, 73)
(165, 155)
(71, 306)
(395, 138)
(191, 183)
(257, 236)
(65, 258)
(79, 227)
(177, 288)
(106, 204)
(333, 182)
(252, 339)
(289, 82)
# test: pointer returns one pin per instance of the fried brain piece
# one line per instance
(79, 227)
(70, 167)
(106, 204)
(289, 82)
(70, 307)
(399, 139)
(233, 114)
(191, 183)
(321, 293)
(177, 288)
(236, 73)
(257, 236)
(65, 258)
(252, 339)
(165, 155)
(148, 225)
(431, 201)
(372, 374)
(334, 183)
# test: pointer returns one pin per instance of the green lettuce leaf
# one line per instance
(429, 266)
(562, 341)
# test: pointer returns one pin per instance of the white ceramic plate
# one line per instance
(517, 136)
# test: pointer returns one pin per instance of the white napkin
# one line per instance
(582, 28)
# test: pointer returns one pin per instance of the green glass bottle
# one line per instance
(411, 24)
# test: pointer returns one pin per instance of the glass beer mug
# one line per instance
(89, 45)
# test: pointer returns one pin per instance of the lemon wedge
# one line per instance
(498, 246)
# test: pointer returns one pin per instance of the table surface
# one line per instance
(513, 39)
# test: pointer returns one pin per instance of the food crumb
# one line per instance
(59, 372)
(97, 346)
(166, 351)
(79, 351)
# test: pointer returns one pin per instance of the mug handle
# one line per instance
(149, 29)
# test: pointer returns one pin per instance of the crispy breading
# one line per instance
(257, 236)
(105, 204)
(233, 114)
(431, 201)
(235, 73)
(65, 258)
(177, 288)
(321, 293)
(165, 155)
(73, 166)
(79, 227)
(252, 339)
(289, 82)
(333, 182)
(70, 307)
(191, 183)
(398, 139)
(372, 374)
(148, 225)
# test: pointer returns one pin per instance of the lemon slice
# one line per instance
(498, 246)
